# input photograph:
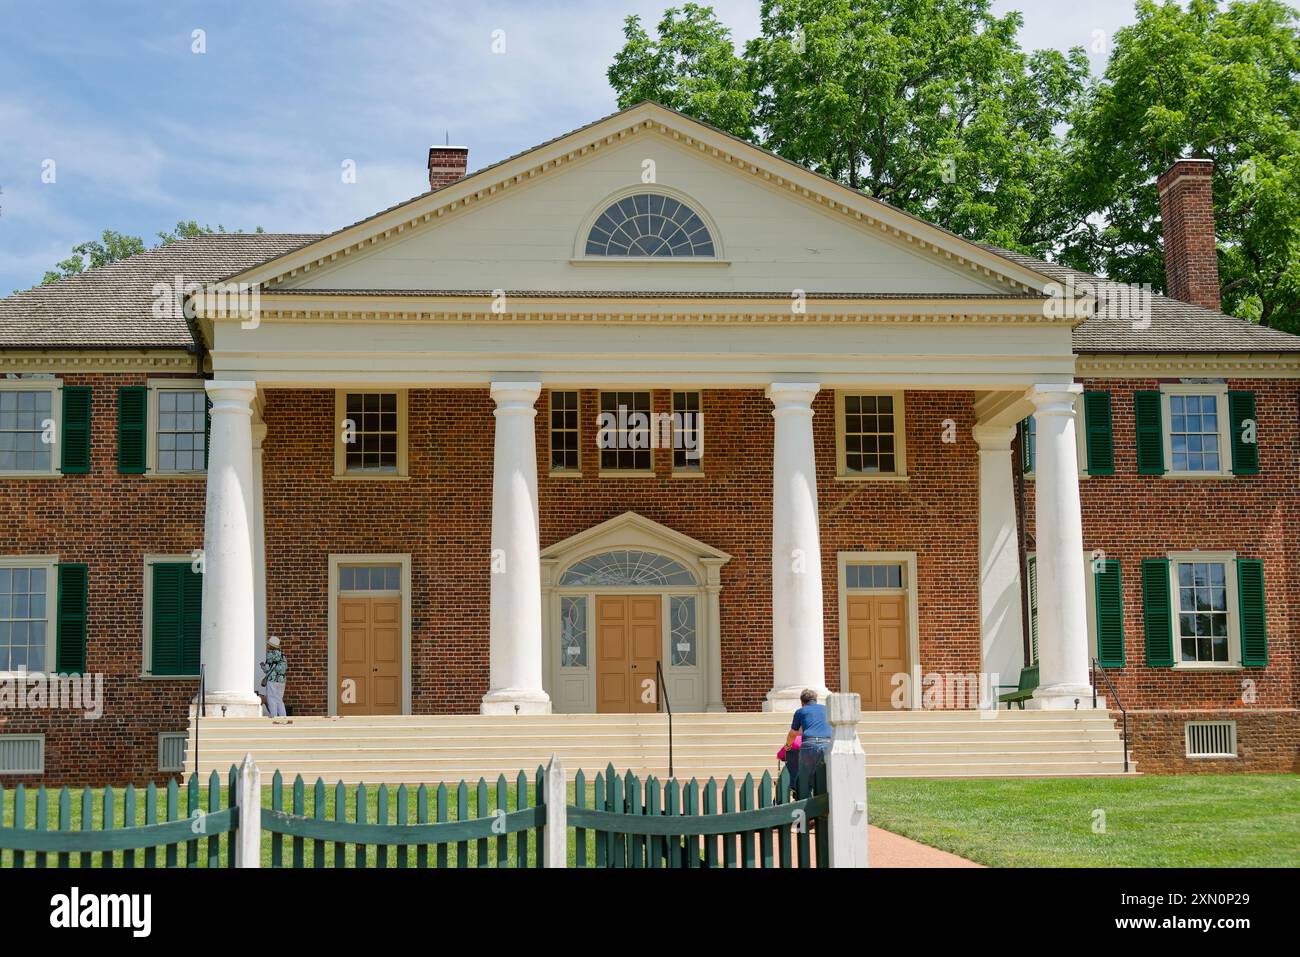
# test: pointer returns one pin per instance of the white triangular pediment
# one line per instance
(521, 226)
(633, 531)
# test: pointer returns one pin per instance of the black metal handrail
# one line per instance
(1115, 697)
(200, 710)
(663, 702)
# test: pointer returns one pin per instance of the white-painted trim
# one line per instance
(1245, 365)
(550, 436)
(39, 738)
(910, 587)
(900, 437)
(146, 610)
(1229, 561)
(80, 360)
(51, 565)
(336, 561)
(55, 388)
(340, 448)
(698, 471)
(1220, 391)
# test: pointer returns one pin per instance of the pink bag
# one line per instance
(795, 746)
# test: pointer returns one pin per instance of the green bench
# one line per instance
(1023, 691)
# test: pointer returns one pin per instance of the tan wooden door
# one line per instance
(628, 642)
(370, 655)
(877, 649)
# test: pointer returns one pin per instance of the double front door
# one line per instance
(370, 655)
(628, 641)
(877, 647)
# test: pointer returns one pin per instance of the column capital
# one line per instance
(792, 396)
(515, 394)
(993, 438)
(231, 396)
(1056, 398)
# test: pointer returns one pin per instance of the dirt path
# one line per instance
(886, 849)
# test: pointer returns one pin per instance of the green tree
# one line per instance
(1205, 81)
(930, 105)
(113, 246)
(692, 66)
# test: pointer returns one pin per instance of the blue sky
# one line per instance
(253, 132)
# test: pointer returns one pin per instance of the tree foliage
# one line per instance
(113, 246)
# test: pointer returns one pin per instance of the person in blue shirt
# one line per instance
(810, 722)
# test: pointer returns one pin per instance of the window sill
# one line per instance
(565, 474)
(688, 474)
(1197, 475)
(626, 473)
(1197, 666)
(379, 477)
(648, 261)
(31, 475)
(148, 677)
(872, 478)
(185, 476)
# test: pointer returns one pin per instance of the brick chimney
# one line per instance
(1187, 215)
(447, 164)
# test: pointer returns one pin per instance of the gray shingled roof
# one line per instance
(1175, 326)
(112, 307)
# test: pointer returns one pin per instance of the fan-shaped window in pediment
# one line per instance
(649, 224)
(628, 567)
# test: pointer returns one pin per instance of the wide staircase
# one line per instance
(433, 748)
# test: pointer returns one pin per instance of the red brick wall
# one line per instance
(1268, 742)
(1132, 517)
(110, 522)
(1187, 216)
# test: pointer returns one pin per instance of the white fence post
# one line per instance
(555, 851)
(846, 780)
(248, 798)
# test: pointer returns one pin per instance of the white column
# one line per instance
(259, 552)
(1058, 538)
(798, 635)
(228, 617)
(712, 634)
(515, 680)
(1002, 643)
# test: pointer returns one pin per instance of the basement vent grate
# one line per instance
(172, 746)
(22, 754)
(1211, 739)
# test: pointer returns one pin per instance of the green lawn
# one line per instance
(1187, 821)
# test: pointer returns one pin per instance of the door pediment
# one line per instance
(633, 531)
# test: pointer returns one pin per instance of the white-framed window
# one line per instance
(28, 591)
(870, 435)
(1196, 429)
(178, 413)
(30, 425)
(370, 434)
(1203, 595)
(625, 433)
(566, 432)
(688, 433)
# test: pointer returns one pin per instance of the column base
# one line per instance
(236, 704)
(1061, 698)
(787, 699)
(515, 701)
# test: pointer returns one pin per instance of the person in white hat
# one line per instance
(274, 669)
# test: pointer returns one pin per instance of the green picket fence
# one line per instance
(119, 829)
(683, 824)
(428, 828)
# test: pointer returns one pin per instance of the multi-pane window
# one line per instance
(873, 576)
(182, 428)
(371, 443)
(625, 432)
(24, 418)
(869, 435)
(1194, 433)
(681, 622)
(1203, 611)
(649, 225)
(564, 432)
(370, 578)
(24, 619)
(573, 631)
(688, 432)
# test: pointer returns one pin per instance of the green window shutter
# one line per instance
(1150, 433)
(176, 616)
(1032, 566)
(132, 424)
(1241, 417)
(207, 429)
(1026, 448)
(1097, 431)
(70, 634)
(1108, 590)
(1157, 613)
(74, 444)
(1250, 596)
